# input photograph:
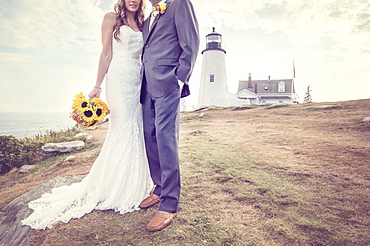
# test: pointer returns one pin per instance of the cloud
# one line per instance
(302, 19)
(54, 25)
(49, 50)
(329, 42)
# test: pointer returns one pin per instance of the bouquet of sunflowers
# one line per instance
(88, 113)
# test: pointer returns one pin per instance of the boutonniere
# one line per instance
(160, 8)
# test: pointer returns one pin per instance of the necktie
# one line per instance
(152, 17)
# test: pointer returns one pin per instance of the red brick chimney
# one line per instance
(255, 88)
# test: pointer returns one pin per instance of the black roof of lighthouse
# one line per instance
(214, 32)
(214, 41)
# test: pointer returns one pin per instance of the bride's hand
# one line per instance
(95, 93)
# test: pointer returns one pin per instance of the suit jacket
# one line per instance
(170, 48)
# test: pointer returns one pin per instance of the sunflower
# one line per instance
(91, 123)
(80, 102)
(99, 112)
(98, 101)
(79, 96)
(88, 113)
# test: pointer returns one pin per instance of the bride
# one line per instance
(119, 179)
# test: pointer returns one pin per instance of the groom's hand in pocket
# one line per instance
(181, 84)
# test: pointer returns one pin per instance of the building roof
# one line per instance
(267, 87)
(247, 94)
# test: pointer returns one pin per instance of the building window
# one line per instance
(281, 86)
(211, 78)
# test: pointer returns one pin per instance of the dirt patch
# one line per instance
(331, 140)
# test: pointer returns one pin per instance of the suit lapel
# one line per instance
(147, 23)
(146, 29)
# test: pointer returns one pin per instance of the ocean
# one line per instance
(29, 124)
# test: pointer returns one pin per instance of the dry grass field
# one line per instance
(287, 175)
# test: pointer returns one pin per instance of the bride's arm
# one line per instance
(106, 54)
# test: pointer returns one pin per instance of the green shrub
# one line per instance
(57, 136)
(16, 152)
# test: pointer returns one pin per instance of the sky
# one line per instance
(49, 50)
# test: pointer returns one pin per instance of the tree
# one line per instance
(295, 98)
(308, 97)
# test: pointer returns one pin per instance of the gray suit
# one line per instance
(170, 50)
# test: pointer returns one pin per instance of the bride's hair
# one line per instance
(121, 19)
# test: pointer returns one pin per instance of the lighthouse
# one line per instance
(213, 81)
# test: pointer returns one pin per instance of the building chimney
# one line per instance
(250, 81)
(269, 77)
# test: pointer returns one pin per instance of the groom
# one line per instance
(171, 43)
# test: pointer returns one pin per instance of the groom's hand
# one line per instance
(181, 84)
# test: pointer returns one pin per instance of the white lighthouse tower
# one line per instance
(213, 82)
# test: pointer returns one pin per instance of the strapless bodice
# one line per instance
(130, 46)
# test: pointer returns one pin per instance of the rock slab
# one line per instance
(64, 147)
(26, 168)
(12, 232)
(85, 136)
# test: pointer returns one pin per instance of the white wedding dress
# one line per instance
(119, 179)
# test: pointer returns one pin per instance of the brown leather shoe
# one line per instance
(160, 220)
(150, 201)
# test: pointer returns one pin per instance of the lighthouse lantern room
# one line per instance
(214, 41)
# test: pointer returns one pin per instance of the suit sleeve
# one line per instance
(188, 34)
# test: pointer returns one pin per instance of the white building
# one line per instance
(278, 91)
(213, 82)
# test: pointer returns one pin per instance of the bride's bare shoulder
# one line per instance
(110, 17)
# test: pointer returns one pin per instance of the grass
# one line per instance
(277, 106)
(269, 190)
(56, 136)
(323, 107)
(244, 107)
(291, 206)
(231, 199)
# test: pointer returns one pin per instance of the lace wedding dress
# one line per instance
(119, 179)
